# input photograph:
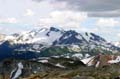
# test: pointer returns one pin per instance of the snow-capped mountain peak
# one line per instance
(43, 35)
(57, 42)
(57, 37)
(53, 36)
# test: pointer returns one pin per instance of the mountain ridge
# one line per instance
(56, 42)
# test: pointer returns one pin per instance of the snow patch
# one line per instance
(17, 71)
(78, 55)
(43, 61)
(117, 60)
(59, 65)
(88, 61)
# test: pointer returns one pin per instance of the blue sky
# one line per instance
(80, 15)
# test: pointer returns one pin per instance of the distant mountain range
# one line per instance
(47, 42)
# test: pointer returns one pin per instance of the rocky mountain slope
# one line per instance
(59, 68)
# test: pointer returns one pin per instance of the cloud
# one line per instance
(94, 8)
(66, 19)
(107, 26)
(107, 22)
(118, 34)
(105, 14)
(93, 5)
(38, 0)
(8, 20)
(29, 12)
(85, 29)
(1, 28)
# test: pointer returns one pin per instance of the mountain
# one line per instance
(101, 60)
(47, 42)
(49, 53)
(54, 36)
(41, 36)
(61, 68)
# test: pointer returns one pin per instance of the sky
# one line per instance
(101, 17)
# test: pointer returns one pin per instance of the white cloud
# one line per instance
(1, 28)
(107, 25)
(85, 29)
(66, 19)
(107, 22)
(8, 20)
(29, 12)
(118, 34)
